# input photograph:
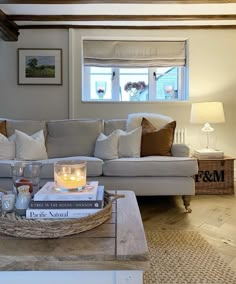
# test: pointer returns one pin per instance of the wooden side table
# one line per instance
(215, 176)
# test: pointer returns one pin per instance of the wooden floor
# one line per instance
(214, 216)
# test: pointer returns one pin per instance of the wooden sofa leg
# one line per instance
(186, 201)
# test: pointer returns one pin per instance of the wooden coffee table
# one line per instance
(114, 252)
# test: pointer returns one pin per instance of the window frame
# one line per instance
(182, 86)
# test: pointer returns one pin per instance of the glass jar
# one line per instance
(70, 175)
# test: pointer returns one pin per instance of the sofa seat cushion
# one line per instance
(94, 166)
(151, 166)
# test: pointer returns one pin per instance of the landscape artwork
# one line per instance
(39, 66)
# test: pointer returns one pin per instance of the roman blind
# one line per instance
(125, 53)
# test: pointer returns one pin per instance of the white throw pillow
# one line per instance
(130, 143)
(157, 120)
(30, 147)
(106, 147)
(7, 148)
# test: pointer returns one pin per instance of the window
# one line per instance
(118, 75)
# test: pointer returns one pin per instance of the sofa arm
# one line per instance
(180, 150)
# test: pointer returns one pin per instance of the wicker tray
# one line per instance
(13, 225)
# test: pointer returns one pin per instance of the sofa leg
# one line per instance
(186, 201)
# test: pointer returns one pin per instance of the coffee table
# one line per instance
(114, 252)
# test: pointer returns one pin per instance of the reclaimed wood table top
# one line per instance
(118, 244)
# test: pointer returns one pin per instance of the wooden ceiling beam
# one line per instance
(179, 27)
(128, 18)
(9, 31)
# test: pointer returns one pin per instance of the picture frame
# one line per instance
(39, 66)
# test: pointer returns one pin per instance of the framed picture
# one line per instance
(39, 66)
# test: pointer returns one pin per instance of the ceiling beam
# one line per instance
(116, 1)
(99, 18)
(149, 27)
(9, 31)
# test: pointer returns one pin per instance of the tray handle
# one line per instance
(115, 196)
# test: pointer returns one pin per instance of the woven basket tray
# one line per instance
(17, 226)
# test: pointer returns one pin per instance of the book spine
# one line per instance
(90, 204)
(59, 213)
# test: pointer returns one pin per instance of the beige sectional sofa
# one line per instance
(76, 139)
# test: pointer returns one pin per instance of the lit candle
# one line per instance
(70, 181)
(69, 176)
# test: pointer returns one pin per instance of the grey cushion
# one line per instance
(27, 126)
(151, 166)
(72, 137)
(113, 124)
(180, 150)
(94, 166)
(5, 168)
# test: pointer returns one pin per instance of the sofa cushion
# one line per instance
(72, 137)
(3, 129)
(151, 166)
(30, 147)
(106, 147)
(129, 143)
(118, 144)
(113, 124)
(180, 150)
(134, 120)
(27, 126)
(94, 166)
(7, 148)
(157, 142)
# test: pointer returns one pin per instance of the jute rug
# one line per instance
(185, 257)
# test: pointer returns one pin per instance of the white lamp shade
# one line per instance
(211, 112)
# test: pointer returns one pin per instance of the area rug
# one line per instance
(185, 257)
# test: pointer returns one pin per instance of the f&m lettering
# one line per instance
(219, 176)
(210, 176)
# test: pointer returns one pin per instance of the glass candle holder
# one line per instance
(70, 175)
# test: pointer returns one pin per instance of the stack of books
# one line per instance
(49, 203)
(208, 154)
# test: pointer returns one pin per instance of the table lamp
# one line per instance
(206, 113)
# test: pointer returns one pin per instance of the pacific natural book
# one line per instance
(59, 213)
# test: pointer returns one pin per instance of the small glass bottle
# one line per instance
(23, 200)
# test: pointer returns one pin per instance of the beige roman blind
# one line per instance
(110, 53)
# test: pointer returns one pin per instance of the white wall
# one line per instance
(37, 101)
(212, 77)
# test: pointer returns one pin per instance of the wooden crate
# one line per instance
(215, 176)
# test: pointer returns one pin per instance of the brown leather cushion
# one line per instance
(3, 129)
(157, 142)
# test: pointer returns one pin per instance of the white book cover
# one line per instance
(48, 193)
(59, 213)
(208, 152)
